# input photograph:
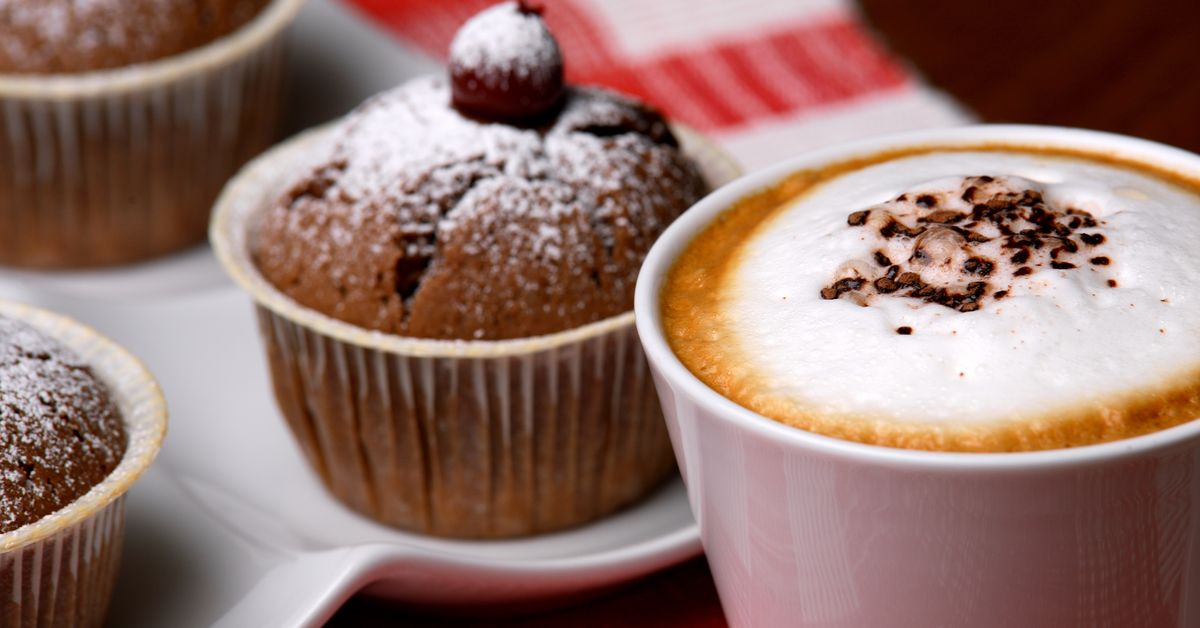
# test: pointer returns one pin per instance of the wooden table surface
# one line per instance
(1116, 65)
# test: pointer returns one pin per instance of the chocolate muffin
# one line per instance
(80, 422)
(67, 36)
(60, 432)
(497, 206)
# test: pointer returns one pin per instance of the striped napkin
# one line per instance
(767, 79)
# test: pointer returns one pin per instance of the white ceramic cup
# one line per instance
(805, 530)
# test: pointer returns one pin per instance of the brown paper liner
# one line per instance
(478, 439)
(60, 570)
(116, 166)
(473, 447)
(67, 578)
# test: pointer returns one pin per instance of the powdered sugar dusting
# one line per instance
(60, 433)
(419, 208)
(503, 41)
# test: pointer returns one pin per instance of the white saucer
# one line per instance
(231, 527)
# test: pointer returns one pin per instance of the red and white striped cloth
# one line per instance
(767, 79)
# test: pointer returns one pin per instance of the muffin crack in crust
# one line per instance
(423, 222)
(60, 433)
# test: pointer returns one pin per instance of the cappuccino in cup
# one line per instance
(961, 297)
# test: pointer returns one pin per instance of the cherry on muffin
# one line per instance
(505, 65)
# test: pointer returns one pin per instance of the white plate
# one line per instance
(230, 526)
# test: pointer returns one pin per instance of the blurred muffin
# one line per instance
(80, 420)
(67, 36)
(120, 120)
(445, 290)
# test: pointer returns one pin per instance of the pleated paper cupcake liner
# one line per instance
(476, 439)
(121, 165)
(473, 446)
(67, 578)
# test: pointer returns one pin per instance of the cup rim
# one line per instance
(138, 398)
(672, 242)
(238, 205)
(272, 19)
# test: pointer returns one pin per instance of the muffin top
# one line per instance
(69, 36)
(60, 432)
(423, 222)
(499, 204)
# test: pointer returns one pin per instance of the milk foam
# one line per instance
(1057, 338)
